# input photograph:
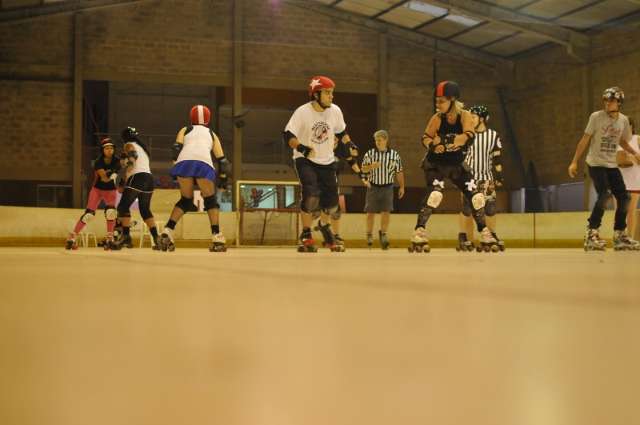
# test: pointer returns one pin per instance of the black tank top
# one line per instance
(447, 158)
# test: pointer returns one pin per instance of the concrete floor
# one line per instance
(273, 337)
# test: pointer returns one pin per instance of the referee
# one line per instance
(383, 165)
(485, 161)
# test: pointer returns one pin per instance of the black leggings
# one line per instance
(607, 181)
(462, 178)
(139, 186)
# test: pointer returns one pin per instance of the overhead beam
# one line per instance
(51, 9)
(578, 44)
(439, 47)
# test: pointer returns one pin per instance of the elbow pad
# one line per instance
(287, 136)
(177, 148)
(225, 166)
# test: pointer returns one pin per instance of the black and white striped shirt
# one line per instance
(390, 165)
(480, 154)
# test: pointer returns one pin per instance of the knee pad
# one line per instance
(333, 212)
(110, 213)
(434, 199)
(466, 207)
(211, 203)
(185, 204)
(478, 201)
(87, 216)
(310, 204)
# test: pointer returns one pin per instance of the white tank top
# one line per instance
(631, 175)
(197, 145)
(141, 164)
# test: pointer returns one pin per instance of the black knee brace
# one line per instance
(145, 213)
(310, 203)
(466, 207)
(185, 204)
(211, 203)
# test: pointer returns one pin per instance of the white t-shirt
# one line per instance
(197, 145)
(317, 130)
(141, 164)
(631, 175)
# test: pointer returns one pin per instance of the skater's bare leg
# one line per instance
(384, 221)
(631, 214)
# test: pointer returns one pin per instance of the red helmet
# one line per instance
(200, 115)
(106, 142)
(320, 82)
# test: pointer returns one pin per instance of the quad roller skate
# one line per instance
(487, 242)
(623, 242)
(109, 244)
(307, 244)
(369, 240)
(218, 243)
(464, 245)
(165, 241)
(384, 240)
(592, 241)
(123, 242)
(419, 241)
(501, 246)
(329, 239)
(70, 243)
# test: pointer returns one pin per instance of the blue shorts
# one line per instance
(195, 169)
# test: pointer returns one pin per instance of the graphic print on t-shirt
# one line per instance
(609, 140)
(320, 133)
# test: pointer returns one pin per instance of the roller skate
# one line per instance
(307, 244)
(464, 245)
(165, 241)
(70, 243)
(108, 244)
(218, 242)
(123, 242)
(154, 243)
(339, 243)
(369, 240)
(592, 241)
(329, 239)
(384, 240)
(622, 242)
(487, 242)
(419, 241)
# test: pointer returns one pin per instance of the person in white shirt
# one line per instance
(630, 170)
(139, 185)
(310, 134)
(193, 164)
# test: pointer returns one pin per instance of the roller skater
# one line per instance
(106, 169)
(447, 136)
(607, 129)
(311, 133)
(484, 158)
(383, 166)
(193, 164)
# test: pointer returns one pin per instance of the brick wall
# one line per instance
(35, 127)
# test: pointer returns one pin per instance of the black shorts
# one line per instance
(140, 182)
(318, 180)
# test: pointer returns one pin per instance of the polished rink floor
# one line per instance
(273, 337)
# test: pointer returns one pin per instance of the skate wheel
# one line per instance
(495, 248)
(300, 249)
(418, 248)
(410, 249)
(426, 250)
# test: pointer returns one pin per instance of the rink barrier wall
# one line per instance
(27, 226)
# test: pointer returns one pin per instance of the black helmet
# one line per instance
(129, 134)
(614, 93)
(447, 89)
(481, 111)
